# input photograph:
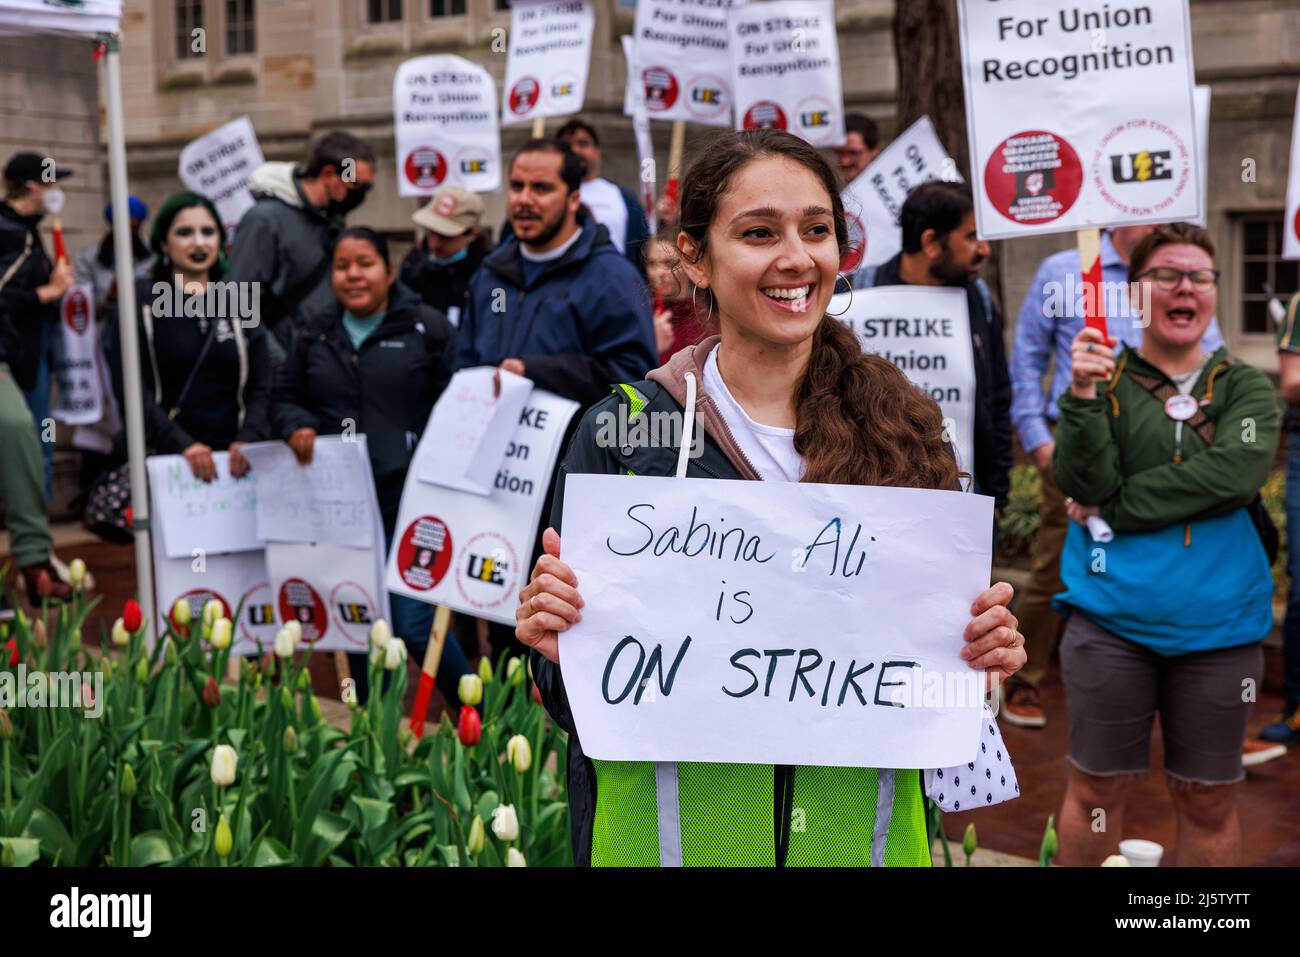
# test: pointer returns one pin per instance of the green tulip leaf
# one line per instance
(151, 847)
(26, 849)
(271, 853)
(56, 842)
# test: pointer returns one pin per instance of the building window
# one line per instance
(240, 19)
(446, 8)
(1262, 264)
(190, 42)
(384, 11)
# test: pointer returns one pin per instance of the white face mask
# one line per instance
(53, 200)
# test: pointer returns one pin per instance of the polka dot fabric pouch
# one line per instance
(987, 780)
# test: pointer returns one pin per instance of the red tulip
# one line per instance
(470, 726)
(132, 615)
(12, 645)
(211, 693)
(537, 694)
(43, 584)
(128, 514)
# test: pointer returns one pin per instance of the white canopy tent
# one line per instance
(101, 19)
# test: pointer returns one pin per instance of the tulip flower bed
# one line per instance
(181, 769)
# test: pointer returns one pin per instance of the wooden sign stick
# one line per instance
(1090, 271)
(432, 657)
(539, 127)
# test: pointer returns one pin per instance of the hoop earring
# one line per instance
(838, 277)
(695, 309)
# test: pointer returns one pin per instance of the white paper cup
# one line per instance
(1140, 853)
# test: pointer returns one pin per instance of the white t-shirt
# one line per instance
(607, 207)
(769, 449)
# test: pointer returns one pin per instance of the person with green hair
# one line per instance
(204, 366)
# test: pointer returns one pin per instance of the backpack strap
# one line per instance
(1162, 390)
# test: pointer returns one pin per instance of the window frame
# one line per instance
(1241, 295)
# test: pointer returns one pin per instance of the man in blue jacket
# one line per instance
(557, 302)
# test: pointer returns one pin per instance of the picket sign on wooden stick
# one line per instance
(432, 657)
(676, 145)
(1091, 273)
(539, 127)
(341, 667)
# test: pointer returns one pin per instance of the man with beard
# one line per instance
(557, 302)
(941, 248)
(283, 243)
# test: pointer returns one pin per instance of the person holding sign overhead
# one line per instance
(374, 361)
(784, 394)
(1169, 445)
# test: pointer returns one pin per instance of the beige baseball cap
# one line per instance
(451, 212)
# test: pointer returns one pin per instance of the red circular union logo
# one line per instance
(524, 94)
(1033, 177)
(300, 602)
(425, 167)
(765, 115)
(424, 553)
(661, 88)
(76, 310)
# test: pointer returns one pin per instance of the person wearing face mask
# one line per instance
(941, 248)
(784, 393)
(376, 357)
(439, 267)
(205, 374)
(31, 287)
(1169, 444)
(283, 242)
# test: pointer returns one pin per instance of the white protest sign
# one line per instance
(330, 501)
(333, 591)
(235, 579)
(785, 63)
(925, 331)
(1080, 114)
(217, 165)
(445, 126)
(680, 55)
(193, 517)
(75, 365)
(634, 106)
(1201, 95)
(476, 428)
(471, 552)
(549, 56)
(873, 202)
(1291, 225)
(773, 622)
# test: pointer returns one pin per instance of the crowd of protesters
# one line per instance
(1143, 429)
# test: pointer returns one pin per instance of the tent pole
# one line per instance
(127, 329)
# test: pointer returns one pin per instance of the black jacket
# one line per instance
(21, 311)
(387, 388)
(439, 286)
(993, 449)
(229, 399)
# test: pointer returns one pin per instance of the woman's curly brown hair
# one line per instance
(858, 420)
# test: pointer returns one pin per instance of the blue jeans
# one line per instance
(411, 622)
(38, 400)
(1291, 628)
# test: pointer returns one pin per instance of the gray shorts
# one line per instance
(1114, 688)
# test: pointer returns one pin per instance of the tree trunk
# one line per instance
(927, 49)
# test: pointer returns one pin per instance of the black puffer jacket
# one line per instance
(387, 387)
(21, 312)
(442, 286)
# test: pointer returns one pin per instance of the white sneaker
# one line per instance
(1260, 752)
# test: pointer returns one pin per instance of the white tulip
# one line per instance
(294, 627)
(505, 823)
(380, 633)
(212, 610)
(1116, 860)
(77, 573)
(394, 654)
(284, 643)
(515, 858)
(519, 753)
(221, 634)
(121, 637)
(224, 761)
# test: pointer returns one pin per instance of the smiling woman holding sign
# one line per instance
(784, 394)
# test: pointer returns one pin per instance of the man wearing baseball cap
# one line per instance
(30, 290)
(439, 267)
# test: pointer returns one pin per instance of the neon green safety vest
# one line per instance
(674, 814)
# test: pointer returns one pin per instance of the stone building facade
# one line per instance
(298, 67)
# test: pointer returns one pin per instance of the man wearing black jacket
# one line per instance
(941, 248)
(30, 290)
(440, 266)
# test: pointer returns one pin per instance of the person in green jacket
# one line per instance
(785, 393)
(1169, 447)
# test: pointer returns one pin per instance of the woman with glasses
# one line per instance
(1169, 446)
(206, 378)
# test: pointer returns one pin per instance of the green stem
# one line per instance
(9, 797)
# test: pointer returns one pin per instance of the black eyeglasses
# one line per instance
(1169, 279)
